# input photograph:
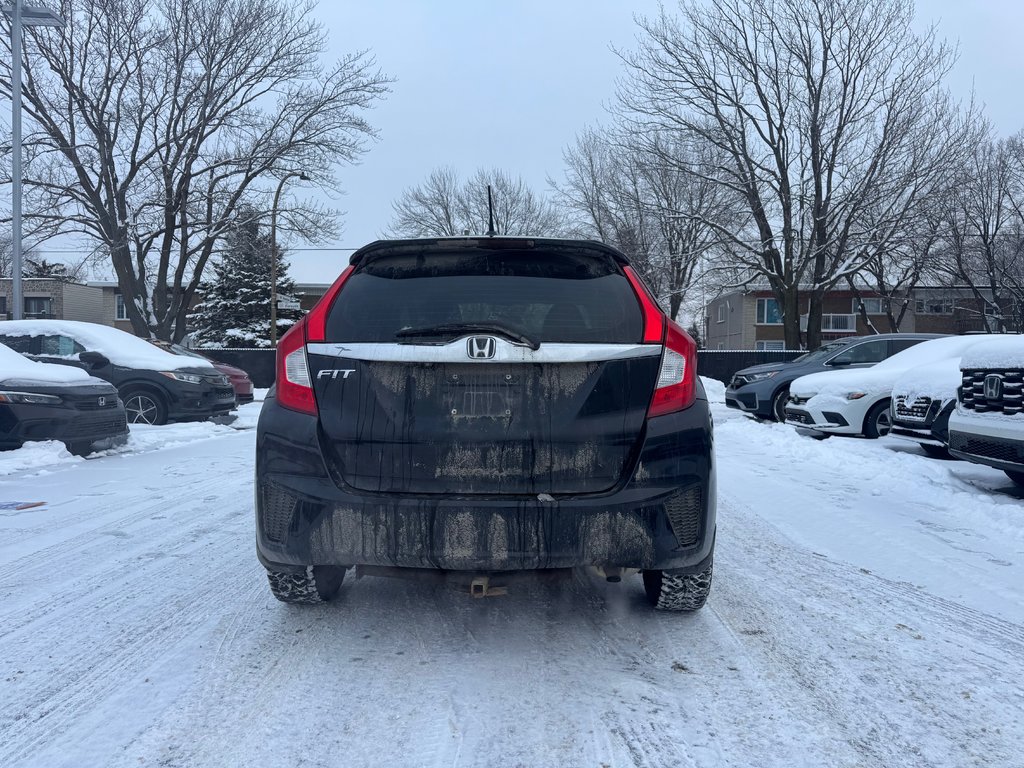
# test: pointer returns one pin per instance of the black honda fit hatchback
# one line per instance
(486, 405)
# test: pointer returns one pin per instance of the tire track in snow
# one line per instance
(134, 542)
(73, 681)
(76, 683)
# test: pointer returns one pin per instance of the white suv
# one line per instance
(987, 426)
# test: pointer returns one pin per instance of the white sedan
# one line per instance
(856, 401)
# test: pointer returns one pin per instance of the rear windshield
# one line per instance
(558, 298)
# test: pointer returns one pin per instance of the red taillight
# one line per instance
(676, 388)
(294, 386)
(316, 320)
(654, 318)
(677, 379)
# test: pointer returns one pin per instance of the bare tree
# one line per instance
(651, 198)
(895, 268)
(984, 231)
(831, 119)
(151, 123)
(445, 206)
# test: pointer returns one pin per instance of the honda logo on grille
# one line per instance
(481, 347)
(101, 402)
(993, 388)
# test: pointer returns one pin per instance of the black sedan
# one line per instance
(50, 402)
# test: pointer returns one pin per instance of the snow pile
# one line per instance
(15, 368)
(1004, 352)
(714, 389)
(35, 459)
(247, 415)
(119, 347)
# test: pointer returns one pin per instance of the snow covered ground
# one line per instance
(867, 611)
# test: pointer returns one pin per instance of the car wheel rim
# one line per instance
(882, 424)
(141, 410)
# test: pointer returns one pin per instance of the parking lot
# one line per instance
(866, 611)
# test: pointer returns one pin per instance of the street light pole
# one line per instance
(31, 16)
(16, 266)
(273, 253)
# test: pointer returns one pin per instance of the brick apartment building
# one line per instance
(751, 319)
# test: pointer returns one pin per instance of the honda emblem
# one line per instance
(993, 388)
(101, 402)
(481, 347)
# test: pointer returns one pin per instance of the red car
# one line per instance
(239, 379)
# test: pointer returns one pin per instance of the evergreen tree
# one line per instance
(235, 306)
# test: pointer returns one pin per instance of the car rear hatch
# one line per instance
(484, 367)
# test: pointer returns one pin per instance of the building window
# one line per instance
(871, 306)
(933, 307)
(3, 305)
(120, 313)
(722, 309)
(768, 312)
(769, 346)
(38, 307)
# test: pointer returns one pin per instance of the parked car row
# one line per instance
(953, 395)
(54, 371)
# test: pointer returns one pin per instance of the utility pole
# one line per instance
(32, 16)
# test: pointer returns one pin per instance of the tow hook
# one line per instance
(480, 586)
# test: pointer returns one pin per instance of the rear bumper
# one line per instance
(663, 517)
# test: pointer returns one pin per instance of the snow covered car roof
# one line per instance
(995, 352)
(16, 370)
(881, 378)
(120, 348)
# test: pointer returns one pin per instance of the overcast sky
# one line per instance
(510, 84)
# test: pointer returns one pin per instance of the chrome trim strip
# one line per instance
(505, 352)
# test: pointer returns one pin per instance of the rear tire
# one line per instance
(779, 405)
(319, 584)
(878, 421)
(1017, 477)
(679, 593)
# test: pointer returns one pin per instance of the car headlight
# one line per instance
(29, 398)
(751, 377)
(855, 395)
(191, 378)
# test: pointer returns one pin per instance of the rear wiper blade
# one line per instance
(446, 329)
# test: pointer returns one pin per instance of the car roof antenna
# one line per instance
(490, 213)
